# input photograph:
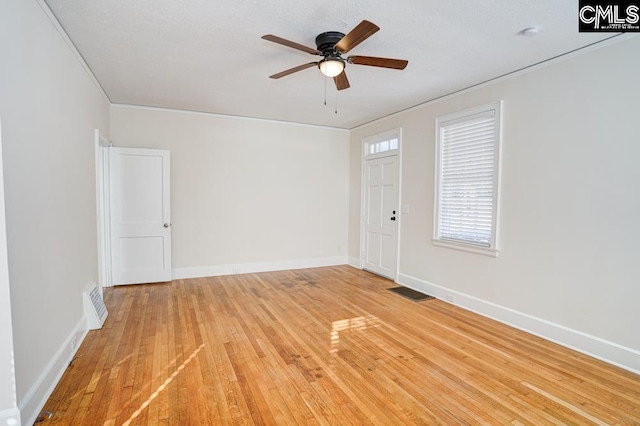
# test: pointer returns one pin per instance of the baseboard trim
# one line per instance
(354, 261)
(604, 350)
(250, 268)
(10, 417)
(37, 395)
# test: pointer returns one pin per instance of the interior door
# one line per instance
(381, 216)
(140, 216)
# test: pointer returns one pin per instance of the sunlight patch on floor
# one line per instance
(358, 323)
(155, 394)
(565, 404)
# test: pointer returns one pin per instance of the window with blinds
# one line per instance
(468, 147)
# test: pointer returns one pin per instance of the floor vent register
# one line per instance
(410, 294)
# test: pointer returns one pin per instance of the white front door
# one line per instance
(381, 215)
(140, 216)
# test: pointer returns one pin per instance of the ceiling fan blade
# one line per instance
(288, 43)
(360, 33)
(341, 80)
(373, 61)
(294, 69)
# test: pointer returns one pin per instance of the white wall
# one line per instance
(569, 224)
(49, 107)
(246, 191)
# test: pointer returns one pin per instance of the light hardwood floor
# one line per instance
(324, 346)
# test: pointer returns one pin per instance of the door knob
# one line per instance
(166, 225)
(393, 218)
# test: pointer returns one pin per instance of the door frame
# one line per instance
(10, 411)
(396, 132)
(102, 147)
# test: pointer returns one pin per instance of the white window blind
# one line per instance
(467, 178)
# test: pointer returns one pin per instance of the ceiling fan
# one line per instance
(331, 46)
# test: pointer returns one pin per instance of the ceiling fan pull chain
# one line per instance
(336, 111)
(325, 90)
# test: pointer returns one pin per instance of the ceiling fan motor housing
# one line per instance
(325, 42)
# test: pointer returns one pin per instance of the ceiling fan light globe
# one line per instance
(331, 67)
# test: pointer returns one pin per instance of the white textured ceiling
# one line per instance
(207, 55)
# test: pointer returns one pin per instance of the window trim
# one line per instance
(493, 249)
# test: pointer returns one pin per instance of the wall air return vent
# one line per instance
(94, 307)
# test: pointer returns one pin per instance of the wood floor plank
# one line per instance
(323, 346)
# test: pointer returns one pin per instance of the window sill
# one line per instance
(466, 247)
